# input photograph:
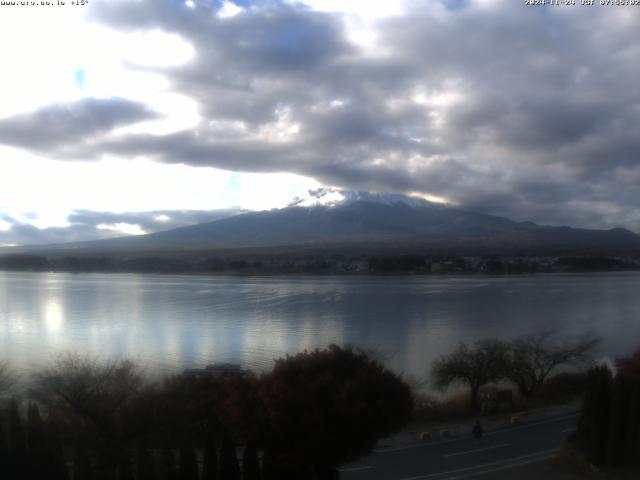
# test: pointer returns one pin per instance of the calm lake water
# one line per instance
(171, 322)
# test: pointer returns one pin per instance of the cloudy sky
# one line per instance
(129, 116)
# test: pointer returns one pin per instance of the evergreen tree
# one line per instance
(124, 467)
(269, 466)
(603, 416)
(619, 420)
(278, 467)
(18, 466)
(210, 467)
(229, 468)
(82, 467)
(57, 463)
(17, 441)
(593, 424)
(250, 463)
(585, 427)
(35, 429)
(167, 470)
(37, 448)
(144, 465)
(609, 423)
(630, 402)
(105, 468)
(4, 451)
(632, 451)
(188, 462)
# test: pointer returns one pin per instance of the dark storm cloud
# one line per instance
(83, 225)
(198, 148)
(269, 38)
(61, 124)
(526, 112)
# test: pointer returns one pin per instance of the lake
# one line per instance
(171, 322)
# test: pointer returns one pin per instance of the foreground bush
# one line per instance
(609, 424)
(312, 413)
(329, 407)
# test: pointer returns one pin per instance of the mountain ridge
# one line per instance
(366, 220)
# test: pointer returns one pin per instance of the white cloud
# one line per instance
(361, 8)
(332, 197)
(229, 9)
(264, 191)
(40, 49)
(153, 48)
(53, 189)
(434, 99)
(55, 55)
(123, 228)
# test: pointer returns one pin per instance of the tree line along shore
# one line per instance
(317, 264)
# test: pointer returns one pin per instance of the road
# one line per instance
(464, 457)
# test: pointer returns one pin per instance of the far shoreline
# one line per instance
(328, 259)
(322, 274)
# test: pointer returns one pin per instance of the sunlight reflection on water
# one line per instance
(173, 322)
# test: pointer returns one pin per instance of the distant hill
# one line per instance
(368, 222)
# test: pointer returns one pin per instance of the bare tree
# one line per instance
(474, 366)
(533, 358)
(91, 392)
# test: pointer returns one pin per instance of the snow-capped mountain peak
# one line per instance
(330, 197)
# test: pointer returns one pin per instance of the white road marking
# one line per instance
(493, 447)
(501, 467)
(515, 461)
(355, 469)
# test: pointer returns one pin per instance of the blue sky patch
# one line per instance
(79, 77)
